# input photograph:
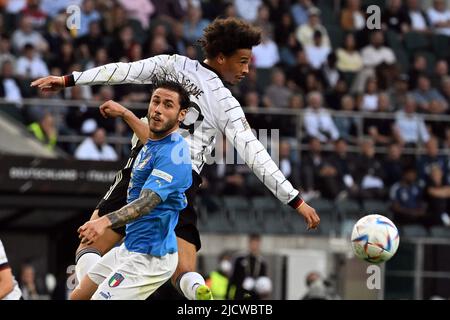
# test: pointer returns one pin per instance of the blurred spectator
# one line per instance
(88, 14)
(194, 24)
(122, 43)
(288, 166)
(265, 55)
(247, 270)
(247, 9)
(5, 50)
(45, 130)
(32, 289)
(440, 73)
(56, 34)
(380, 129)
(393, 164)
(319, 288)
(38, 17)
(277, 94)
(376, 52)
(369, 99)
(10, 88)
(352, 16)
(170, 10)
(428, 99)
(218, 279)
(15, 6)
(431, 158)
(26, 35)
(418, 67)
(410, 127)
(30, 65)
(317, 120)
(369, 173)
(177, 40)
(334, 96)
(437, 195)
(418, 19)
(407, 202)
(94, 39)
(394, 18)
(262, 19)
(139, 10)
(298, 73)
(439, 17)
(300, 10)
(344, 162)
(288, 51)
(317, 52)
(96, 148)
(305, 32)
(398, 92)
(348, 58)
(284, 30)
(319, 173)
(346, 123)
(445, 89)
(65, 57)
(329, 72)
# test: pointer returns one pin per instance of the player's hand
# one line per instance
(112, 109)
(309, 213)
(49, 84)
(92, 230)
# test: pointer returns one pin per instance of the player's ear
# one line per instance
(221, 58)
(182, 115)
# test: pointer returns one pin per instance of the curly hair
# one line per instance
(228, 35)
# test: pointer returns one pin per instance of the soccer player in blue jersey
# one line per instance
(160, 176)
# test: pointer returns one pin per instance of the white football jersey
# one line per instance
(15, 294)
(213, 109)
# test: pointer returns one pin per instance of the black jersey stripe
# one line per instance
(218, 88)
(96, 75)
(226, 98)
(127, 74)
(79, 76)
(112, 74)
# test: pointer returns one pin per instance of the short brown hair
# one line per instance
(228, 35)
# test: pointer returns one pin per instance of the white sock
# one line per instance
(84, 263)
(189, 283)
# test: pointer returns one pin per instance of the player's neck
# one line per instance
(213, 66)
(155, 136)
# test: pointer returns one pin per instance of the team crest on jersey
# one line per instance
(115, 280)
(144, 162)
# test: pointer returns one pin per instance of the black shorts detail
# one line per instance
(186, 228)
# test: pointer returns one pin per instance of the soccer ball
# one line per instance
(375, 238)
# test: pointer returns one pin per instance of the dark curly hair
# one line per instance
(228, 35)
(172, 84)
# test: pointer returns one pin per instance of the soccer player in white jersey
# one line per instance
(9, 289)
(227, 44)
(161, 174)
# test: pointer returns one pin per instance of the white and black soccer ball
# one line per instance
(375, 238)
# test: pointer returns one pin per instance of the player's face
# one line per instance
(235, 67)
(164, 114)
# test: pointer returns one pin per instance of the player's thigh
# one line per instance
(84, 290)
(107, 241)
(136, 277)
(187, 258)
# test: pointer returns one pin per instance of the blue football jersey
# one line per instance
(163, 166)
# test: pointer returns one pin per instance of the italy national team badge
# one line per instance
(115, 280)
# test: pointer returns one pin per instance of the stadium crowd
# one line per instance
(317, 57)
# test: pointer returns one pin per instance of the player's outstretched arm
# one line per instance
(139, 72)
(255, 155)
(112, 109)
(92, 230)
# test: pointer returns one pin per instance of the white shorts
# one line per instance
(126, 275)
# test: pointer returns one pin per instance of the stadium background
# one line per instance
(47, 191)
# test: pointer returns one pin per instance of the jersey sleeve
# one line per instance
(138, 72)
(234, 125)
(171, 172)
(3, 259)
